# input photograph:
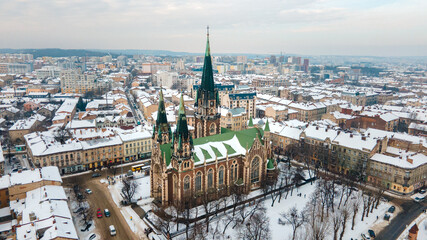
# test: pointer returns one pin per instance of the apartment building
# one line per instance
(234, 119)
(237, 100)
(398, 170)
(74, 81)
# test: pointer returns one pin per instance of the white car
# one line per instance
(112, 230)
(88, 191)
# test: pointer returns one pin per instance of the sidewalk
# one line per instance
(418, 221)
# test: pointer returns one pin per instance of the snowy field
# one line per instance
(278, 226)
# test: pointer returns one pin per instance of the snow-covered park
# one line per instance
(307, 201)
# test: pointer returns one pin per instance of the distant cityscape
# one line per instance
(172, 145)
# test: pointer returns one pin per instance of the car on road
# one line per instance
(392, 209)
(365, 237)
(92, 236)
(96, 175)
(371, 233)
(88, 191)
(106, 212)
(98, 213)
(422, 191)
(112, 230)
(419, 199)
(386, 217)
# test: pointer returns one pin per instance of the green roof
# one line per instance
(216, 151)
(270, 164)
(206, 154)
(245, 137)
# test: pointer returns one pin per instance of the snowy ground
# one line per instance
(278, 231)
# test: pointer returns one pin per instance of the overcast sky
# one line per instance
(344, 27)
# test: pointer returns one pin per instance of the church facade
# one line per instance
(184, 169)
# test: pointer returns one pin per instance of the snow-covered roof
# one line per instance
(25, 124)
(50, 173)
(404, 161)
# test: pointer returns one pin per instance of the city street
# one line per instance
(101, 198)
(410, 211)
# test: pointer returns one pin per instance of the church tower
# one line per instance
(207, 117)
(182, 142)
(161, 130)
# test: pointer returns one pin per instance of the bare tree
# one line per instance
(345, 213)
(61, 135)
(257, 227)
(128, 190)
(164, 221)
(295, 218)
(355, 206)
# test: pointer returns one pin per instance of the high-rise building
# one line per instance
(306, 65)
(273, 59)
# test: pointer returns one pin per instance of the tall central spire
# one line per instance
(207, 77)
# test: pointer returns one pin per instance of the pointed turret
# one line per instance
(181, 137)
(267, 127)
(161, 130)
(251, 122)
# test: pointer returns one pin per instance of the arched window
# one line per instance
(212, 128)
(255, 170)
(210, 178)
(186, 183)
(233, 173)
(221, 176)
(199, 182)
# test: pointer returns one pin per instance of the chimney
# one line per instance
(317, 127)
(351, 135)
(363, 138)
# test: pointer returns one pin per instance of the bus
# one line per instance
(140, 167)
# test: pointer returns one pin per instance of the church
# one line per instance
(214, 162)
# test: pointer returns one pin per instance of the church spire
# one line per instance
(162, 126)
(161, 111)
(181, 135)
(207, 77)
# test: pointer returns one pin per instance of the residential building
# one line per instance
(74, 81)
(234, 119)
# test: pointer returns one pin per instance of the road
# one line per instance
(410, 211)
(101, 198)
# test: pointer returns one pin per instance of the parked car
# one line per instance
(371, 233)
(106, 212)
(88, 191)
(98, 213)
(92, 236)
(365, 237)
(419, 199)
(387, 217)
(422, 191)
(392, 209)
(96, 175)
(112, 230)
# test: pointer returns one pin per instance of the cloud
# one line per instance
(299, 26)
